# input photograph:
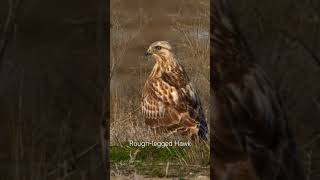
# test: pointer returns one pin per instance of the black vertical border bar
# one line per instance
(211, 108)
(104, 55)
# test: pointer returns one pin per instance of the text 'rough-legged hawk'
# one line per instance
(169, 100)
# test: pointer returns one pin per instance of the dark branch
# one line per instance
(8, 27)
(78, 157)
(302, 44)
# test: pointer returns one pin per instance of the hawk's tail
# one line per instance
(203, 127)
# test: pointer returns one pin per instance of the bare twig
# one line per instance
(288, 36)
(77, 158)
(317, 102)
(167, 169)
(292, 38)
(8, 28)
(313, 141)
(121, 44)
(309, 164)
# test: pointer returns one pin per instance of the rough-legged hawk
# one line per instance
(169, 101)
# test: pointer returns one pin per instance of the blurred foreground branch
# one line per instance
(294, 39)
(8, 27)
(67, 163)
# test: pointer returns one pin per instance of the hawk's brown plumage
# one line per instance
(169, 100)
(250, 136)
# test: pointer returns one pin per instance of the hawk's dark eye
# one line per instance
(158, 47)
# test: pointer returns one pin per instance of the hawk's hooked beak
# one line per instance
(147, 53)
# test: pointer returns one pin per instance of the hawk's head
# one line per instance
(159, 50)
